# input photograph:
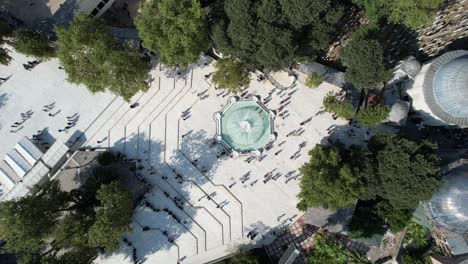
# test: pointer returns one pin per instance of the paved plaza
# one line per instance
(202, 203)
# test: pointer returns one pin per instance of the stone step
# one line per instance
(159, 198)
(213, 227)
(162, 221)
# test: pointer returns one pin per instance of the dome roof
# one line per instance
(448, 206)
(245, 125)
(399, 112)
(411, 66)
(446, 87)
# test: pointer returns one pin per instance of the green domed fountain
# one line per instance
(245, 125)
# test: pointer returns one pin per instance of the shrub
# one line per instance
(371, 116)
(313, 80)
(342, 109)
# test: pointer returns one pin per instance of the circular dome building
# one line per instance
(441, 89)
(244, 125)
(449, 206)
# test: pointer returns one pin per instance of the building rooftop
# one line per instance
(446, 87)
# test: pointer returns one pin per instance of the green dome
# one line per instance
(245, 126)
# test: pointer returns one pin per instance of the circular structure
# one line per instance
(411, 66)
(244, 126)
(449, 206)
(446, 87)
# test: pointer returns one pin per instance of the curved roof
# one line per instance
(399, 112)
(245, 126)
(449, 206)
(411, 66)
(446, 87)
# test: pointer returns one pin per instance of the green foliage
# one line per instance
(417, 235)
(106, 158)
(374, 10)
(371, 116)
(343, 109)
(409, 259)
(397, 219)
(313, 80)
(26, 222)
(72, 231)
(413, 14)
(406, 172)
(33, 44)
(332, 178)
(4, 32)
(365, 62)
(365, 222)
(272, 34)
(113, 216)
(396, 174)
(231, 74)
(92, 57)
(174, 28)
(326, 250)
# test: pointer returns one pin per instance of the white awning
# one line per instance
(6, 180)
(28, 150)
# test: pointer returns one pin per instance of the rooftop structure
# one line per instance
(26, 165)
(440, 90)
(44, 15)
(449, 210)
(245, 125)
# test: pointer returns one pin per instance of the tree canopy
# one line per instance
(26, 222)
(332, 178)
(34, 44)
(343, 109)
(365, 62)
(113, 216)
(4, 32)
(395, 173)
(92, 57)
(373, 115)
(231, 74)
(413, 14)
(406, 171)
(273, 34)
(174, 28)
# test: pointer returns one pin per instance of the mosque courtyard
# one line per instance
(203, 203)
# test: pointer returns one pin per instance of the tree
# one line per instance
(271, 34)
(333, 178)
(406, 172)
(113, 216)
(413, 14)
(26, 222)
(416, 235)
(397, 219)
(343, 109)
(4, 32)
(231, 74)
(90, 56)
(33, 44)
(313, 80)
(373, 115)
(326, 250)
(365, 62)
(174, 28)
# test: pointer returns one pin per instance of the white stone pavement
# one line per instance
(181, 223)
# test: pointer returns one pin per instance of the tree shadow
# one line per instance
(165, 218)
(184, 73)
(202, 151)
